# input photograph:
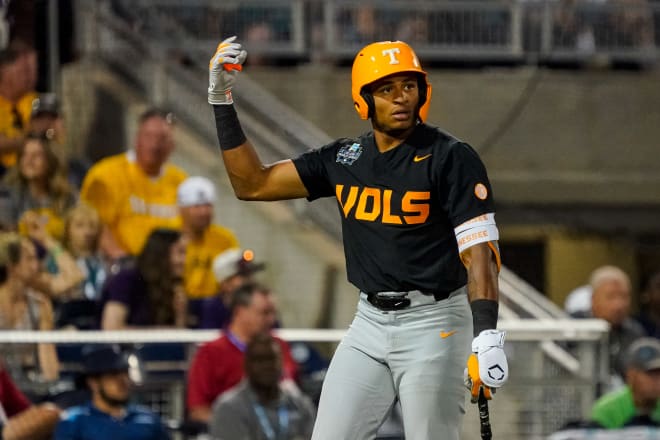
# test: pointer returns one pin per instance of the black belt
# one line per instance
(398, 302)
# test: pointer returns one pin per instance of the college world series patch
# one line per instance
(349, 154)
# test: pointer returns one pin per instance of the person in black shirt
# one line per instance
(420, 242)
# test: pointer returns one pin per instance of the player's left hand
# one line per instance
(224, 66)
(487, 366)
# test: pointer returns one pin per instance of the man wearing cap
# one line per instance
(638, 402)
(108, 416)
(195, 198)
(231, 269)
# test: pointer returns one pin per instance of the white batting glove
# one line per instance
(487, 366)
(224, 66)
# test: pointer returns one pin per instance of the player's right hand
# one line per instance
(487, 367)
(224, 66)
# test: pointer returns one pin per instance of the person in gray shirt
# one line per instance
(260, 407)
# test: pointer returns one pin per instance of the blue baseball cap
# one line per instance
(103, 358)
(644, 354)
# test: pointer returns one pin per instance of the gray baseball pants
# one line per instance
(418, 354)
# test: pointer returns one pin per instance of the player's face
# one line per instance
(197, 217)
(395, 98)
(154, 144)
(34, 164)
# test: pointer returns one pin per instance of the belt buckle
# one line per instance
(389, 303)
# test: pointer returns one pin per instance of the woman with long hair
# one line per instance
(151, 292)
(22, 308)
(36, 184)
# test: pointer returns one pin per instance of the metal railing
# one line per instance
(539, 398)
(440, 30)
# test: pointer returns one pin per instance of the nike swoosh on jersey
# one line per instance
(444, 335)
(421, 158)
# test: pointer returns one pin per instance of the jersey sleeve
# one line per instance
(312, 168)
(464, 188)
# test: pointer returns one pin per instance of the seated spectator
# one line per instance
(37, 184)
(638, 403)
(47, 120)
(610, 300)
(195, 198)
(82, 231)
(135, 192)
(218, 365)
(108, 415)
(19, 418)
(231, 269)
(22, 308)
(649, 315)
(17, 68)
(59, 273)
(260, 407)
(151, 293)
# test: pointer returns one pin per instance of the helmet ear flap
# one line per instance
(422, 86)
(369, 99)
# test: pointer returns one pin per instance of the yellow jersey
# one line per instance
(198, 277)
(10, 127)
(130, 202)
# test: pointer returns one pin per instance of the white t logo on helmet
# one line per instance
(392, 53)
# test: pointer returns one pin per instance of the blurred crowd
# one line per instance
(128, 242)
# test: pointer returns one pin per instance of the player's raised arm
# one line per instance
(250, 179)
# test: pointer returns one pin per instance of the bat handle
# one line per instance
(484, 416)
(230, 67)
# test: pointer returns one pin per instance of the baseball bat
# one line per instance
(484, 416)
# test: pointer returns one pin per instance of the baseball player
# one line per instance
(420, 242)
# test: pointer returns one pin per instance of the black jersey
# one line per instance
(399, 208)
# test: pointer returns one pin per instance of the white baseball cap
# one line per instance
(195, 190)
(235, 261)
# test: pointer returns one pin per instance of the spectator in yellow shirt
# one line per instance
(16, 95)
(135, 192)
(195, 198)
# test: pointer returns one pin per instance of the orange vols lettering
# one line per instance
(373, 203)
(422, 209)
(387, 216)
(350, 200)
(362, 213)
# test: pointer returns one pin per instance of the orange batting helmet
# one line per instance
(378, 60)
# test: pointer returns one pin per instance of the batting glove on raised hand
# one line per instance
(224, 66)
(487, 367)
